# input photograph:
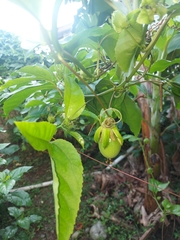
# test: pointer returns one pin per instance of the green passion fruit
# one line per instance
(112, 149)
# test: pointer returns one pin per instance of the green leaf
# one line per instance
(17, 81)
(166, 204)
(73, 99)
(40, 73)
(131, 138)
(162, 64)
(4, 175)
(38, 134)
(6, 186)
(18, 172)
(67, 185)
(34, 103)
(19, 198)
(171, 208)
(15, 212)
(174, 43)
(156, 186)
(19, 96)
(3, 145)
(24, 223)
(109, 44)
(174, 10)
(176, 80)
(8, 232)
(35, 218)
(134, 90)
(80, 40)
(78, 137)
(131, 114)
(127, 47)
(87, 113)
(11, 149)
(175, 209)
(2, 161)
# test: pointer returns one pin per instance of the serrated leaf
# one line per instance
(131, 114)
(38, 134)
(73, 99)
(19, 198)
(67, 185)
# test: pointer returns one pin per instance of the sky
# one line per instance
(16, 20)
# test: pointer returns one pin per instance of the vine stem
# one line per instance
(127, 174)
(81, 79)
(59, 51)
(147, 52)
(149, 48)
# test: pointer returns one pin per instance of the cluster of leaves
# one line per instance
(12, 204)
(98, 67)
(13, 56)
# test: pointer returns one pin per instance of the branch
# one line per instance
(44, 184)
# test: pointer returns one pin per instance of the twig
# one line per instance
(26, 188)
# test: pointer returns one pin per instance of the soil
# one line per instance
(107, 196)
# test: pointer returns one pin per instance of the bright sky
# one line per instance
(14, 19)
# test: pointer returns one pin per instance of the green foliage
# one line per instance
(156, 186)
(98, 67)
(73, 100)
(128, 44)
(14, 215)
(67, 172)
(13, 56)
(131, 114)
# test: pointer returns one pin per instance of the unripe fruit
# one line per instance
(51, 118)
(111, 150)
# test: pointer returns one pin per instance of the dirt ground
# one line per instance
(112, 197)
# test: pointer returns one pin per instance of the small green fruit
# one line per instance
(51, 118)
(111, 150)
